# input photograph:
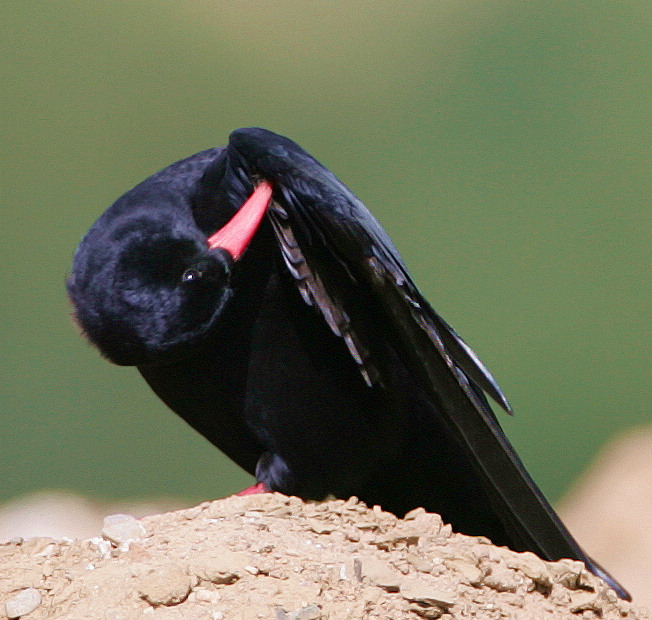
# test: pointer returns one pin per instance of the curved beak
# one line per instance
(236, 235)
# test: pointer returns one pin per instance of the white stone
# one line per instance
(120, 529)
(23, 603)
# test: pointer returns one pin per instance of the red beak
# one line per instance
(236, 235)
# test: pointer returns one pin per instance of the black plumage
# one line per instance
(312, 360)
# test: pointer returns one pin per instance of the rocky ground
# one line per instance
(278, 558)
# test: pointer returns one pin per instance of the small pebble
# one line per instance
(420, 592)
(164, 585)
(312, 612)
(380, 574)
(121, 529)
(224, 568)
(23, 603)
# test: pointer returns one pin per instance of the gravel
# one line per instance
(279, 558)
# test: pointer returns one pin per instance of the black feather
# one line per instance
(313, 361)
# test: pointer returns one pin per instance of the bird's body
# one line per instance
(312, 361)
(288, 386)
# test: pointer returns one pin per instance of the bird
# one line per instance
(264, 304)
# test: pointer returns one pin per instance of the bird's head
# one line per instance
(147, 285)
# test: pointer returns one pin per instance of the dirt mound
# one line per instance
(278, 558)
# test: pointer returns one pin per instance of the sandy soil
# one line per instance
(278, 558)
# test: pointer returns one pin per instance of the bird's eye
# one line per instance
(191, 275)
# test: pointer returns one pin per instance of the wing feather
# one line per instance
(448, 368)
(314, 293)
(335, 248)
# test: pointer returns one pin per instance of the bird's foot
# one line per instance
(261, 487)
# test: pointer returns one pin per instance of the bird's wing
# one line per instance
(333, 246)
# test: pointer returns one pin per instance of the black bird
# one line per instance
(293, 338)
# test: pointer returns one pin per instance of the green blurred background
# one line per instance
(504, 145)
